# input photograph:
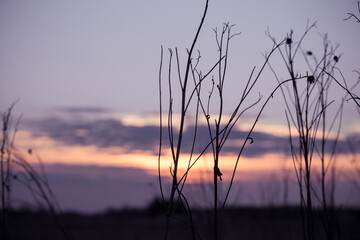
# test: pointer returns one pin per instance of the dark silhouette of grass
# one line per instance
(36, 182)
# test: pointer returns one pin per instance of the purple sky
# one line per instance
(106, 54)
(84, 64)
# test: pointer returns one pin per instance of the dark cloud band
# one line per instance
(105, 133)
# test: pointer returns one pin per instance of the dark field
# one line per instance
(237, 223)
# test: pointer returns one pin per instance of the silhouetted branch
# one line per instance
(351, 15)
(161, 125)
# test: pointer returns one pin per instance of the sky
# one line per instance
(85, 74)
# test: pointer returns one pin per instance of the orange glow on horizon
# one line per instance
(52, 152)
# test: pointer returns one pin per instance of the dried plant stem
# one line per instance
(176, 153)
(5, 157)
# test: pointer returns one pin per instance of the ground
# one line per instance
(236, 223)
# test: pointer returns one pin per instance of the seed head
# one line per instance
(310, 79)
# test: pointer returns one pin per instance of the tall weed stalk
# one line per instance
(218, 129)
(34, 180)
(307, 106)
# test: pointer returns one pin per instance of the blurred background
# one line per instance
(85, 78)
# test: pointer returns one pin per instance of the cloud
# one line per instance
(104, 133)
(101, 133)
(95, 173)
(86, 109)
(92, 188)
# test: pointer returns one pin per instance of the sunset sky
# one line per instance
(85, 74)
